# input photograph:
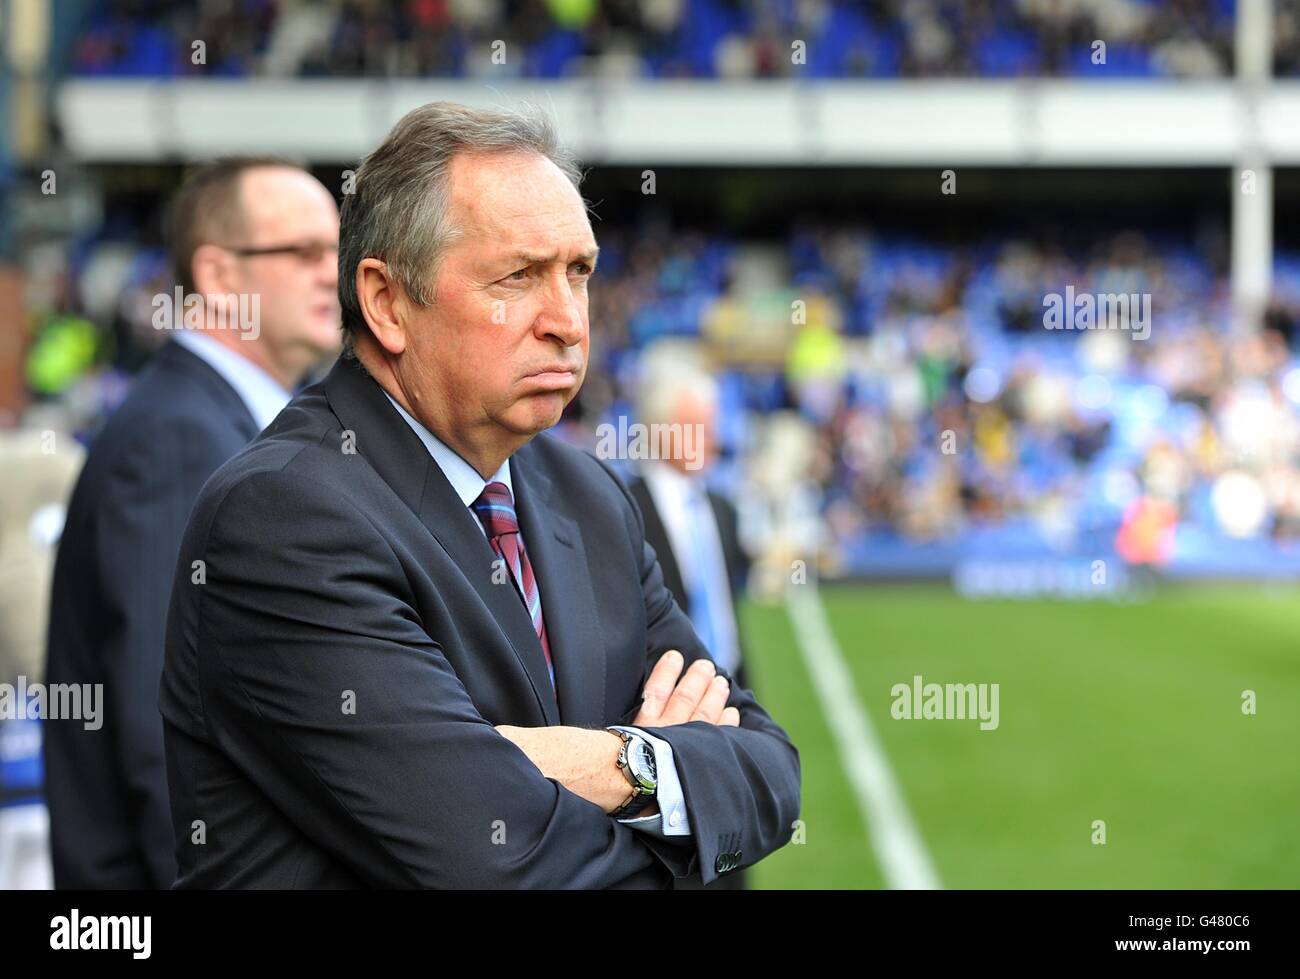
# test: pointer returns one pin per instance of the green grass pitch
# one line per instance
(1126, 713)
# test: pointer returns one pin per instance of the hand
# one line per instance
(701, 695)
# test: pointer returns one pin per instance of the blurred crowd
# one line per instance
(961, 415)
(665, 38)
(943, 410)
(889, 393)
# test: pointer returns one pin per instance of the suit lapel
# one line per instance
(401, 460)
(457, 529)
(554, 544)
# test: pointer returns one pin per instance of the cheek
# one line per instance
(478, 324)
(280, 292)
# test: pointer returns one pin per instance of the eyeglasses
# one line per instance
(309, 252)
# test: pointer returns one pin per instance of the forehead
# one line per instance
(282, 199)
(516, 200)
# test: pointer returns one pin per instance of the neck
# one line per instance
(484, 459)
(484, 454)
(256, 352)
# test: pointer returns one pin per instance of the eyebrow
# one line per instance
(533, 258)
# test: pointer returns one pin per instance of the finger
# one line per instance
(659, 687)
(713, 701)
(730, 718)
(690, 688)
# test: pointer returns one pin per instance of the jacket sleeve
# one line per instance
(742, 785)
(141, 516)
(318, 679)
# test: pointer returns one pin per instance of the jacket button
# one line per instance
(720, 865)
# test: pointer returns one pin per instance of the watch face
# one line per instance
(642, 762)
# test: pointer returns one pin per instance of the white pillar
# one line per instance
(1252, 240)
(1254, 40)
(1252, 182)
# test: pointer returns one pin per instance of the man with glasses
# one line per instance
(255, 234)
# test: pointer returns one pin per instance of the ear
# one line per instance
(213, 270)
(382, 305)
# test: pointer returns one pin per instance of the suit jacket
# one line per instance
(110, 825)
(331, 687)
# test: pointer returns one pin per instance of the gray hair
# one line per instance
(398, 210)
(671, 371)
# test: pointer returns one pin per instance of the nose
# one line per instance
(561, 315)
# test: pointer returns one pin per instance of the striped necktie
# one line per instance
(496, 509)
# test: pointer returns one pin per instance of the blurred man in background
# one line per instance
(693, 530)
(260, 236)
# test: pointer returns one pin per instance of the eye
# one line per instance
(582, 268)
(517, 276)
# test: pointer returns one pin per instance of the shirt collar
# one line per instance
(463, 477)
(260, 392)
(661, 474)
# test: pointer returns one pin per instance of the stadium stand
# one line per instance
(659, 39)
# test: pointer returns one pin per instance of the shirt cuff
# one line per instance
(671, 820)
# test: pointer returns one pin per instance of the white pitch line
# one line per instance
(890, 828)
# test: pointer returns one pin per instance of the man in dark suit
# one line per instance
(430, 648)
(693, 530)
(248, 227)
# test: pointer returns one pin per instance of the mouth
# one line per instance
(553, 378)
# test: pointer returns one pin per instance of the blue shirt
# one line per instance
(671, 820)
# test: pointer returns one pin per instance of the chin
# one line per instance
(322, 337)
(537, 418)
(329, 344)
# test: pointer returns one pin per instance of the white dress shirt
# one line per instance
(260, 392)
(671, 820)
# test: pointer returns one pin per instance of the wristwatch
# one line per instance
(636, 759)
